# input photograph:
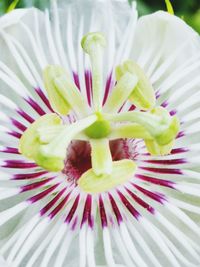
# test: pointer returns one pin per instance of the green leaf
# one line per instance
(12, 6)
(169, 7)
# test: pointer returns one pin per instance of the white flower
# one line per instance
(78, 185)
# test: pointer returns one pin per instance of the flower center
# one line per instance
(98, 155)
(78, 159)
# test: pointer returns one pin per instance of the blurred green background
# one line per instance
(189, 10)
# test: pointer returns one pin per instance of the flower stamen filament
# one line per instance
(163, 128)
(121, 92)
(63, 93)
(57, 147)
(129, 130)
(101, 156)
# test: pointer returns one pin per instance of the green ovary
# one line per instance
(99, 129)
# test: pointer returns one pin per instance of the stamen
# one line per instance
(168, 134)
(101, 156)
(161, 127)
(48, 133)
(129, 130)
(143, 95)
(93, 44)
(68, 90)
(155, 149)
(58, 103)
(122, 91)
(56, 149)
(29, 142)
(42, 143)
(63, 93)
(158, 123)
(123, 170)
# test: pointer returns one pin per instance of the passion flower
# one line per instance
(100, 137)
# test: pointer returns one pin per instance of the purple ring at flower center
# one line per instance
(78, 159)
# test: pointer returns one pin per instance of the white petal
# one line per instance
(12, 18)
(3, 262)
(164, 35)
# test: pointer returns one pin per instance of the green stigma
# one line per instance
(93, 44)
(91, 40)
